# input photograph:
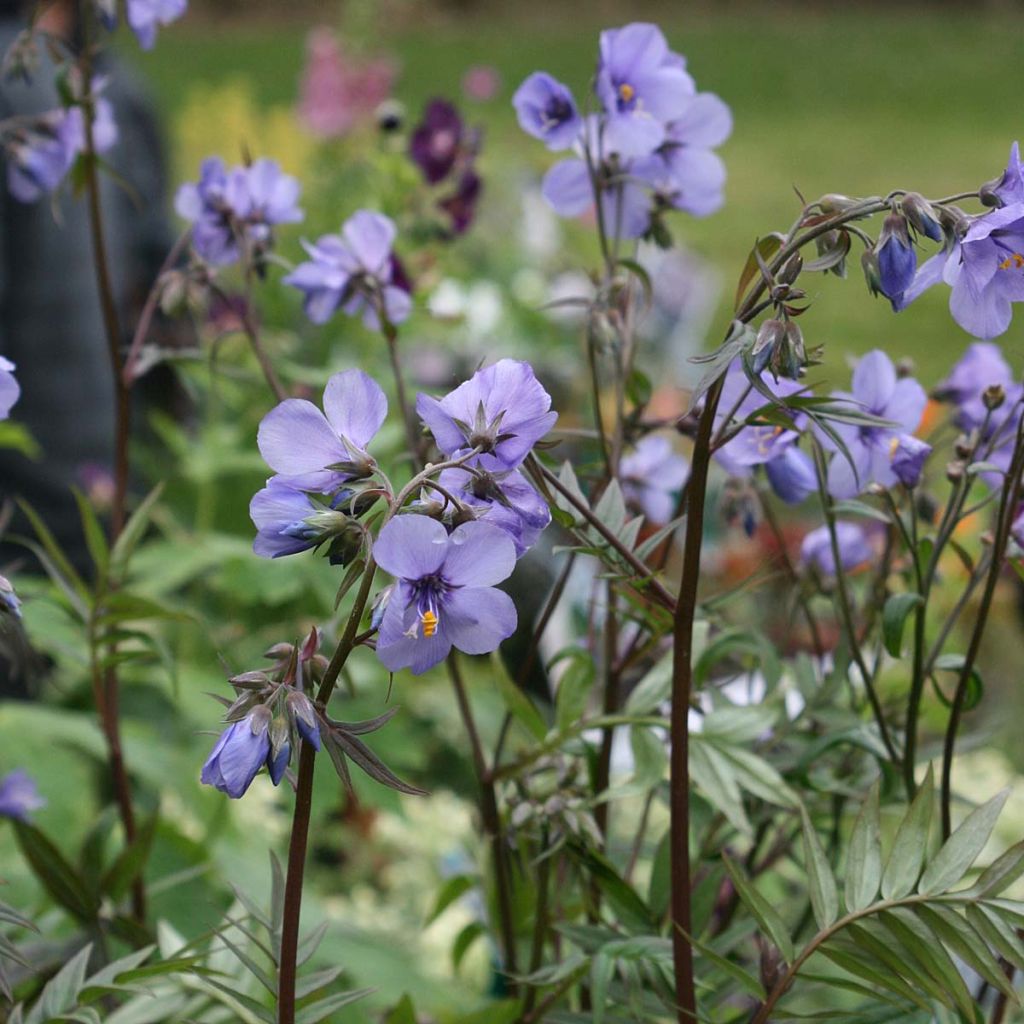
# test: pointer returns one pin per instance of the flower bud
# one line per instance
(280, 750)
(302, 713)
(905, 368)
(791, 269)
(390, 116)
(955, 471)
(869, 264)
(993, 397)
(954, 222)
(897, 258)
(989, 195)
(907, 456)
(921, 215)
(963, 446)
(833, 202)
(769, 335)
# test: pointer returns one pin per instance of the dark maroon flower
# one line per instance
(461, 204)
(436, 142)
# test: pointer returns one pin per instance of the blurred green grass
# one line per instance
(856, 101)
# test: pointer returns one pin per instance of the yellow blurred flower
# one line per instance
(225, 120)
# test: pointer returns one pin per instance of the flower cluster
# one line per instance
(982, 259)
(233, 212)
(885, 451)
(854, 546)
(268, 717)
(650, 148)
(356, 272)
(445, 150)
(40, 151)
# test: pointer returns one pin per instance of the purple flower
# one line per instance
(789, 470)
(10, 390)
(289, 521)
(985, 270)
(502, 498)
(19, 795)
(461, 204)
(1009, 188)
(547, 111)
(8, 598)
(243, 204)
(445, 596)
(145, 16)
(436, 141)
(353, 271)
(317, 452)
(908, 456)
(854, 548)
(877, 392)
(982, 366)
(241, 751)
(683, 174)
(41, 152)
(502, 409)
(651, 476)
(642, 86)
(897, 258)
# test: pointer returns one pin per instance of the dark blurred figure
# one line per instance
(51, 324)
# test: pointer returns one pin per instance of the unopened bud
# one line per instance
(390, 115)
(896, 257)
(869, 264)
(905, 367)
(993, 396)
(954, 222)
(955, 471)
(791, 269)
(921, 215)
(303, 714)
(833, 202)
(769, 335)
(963, 446)
(927, 507)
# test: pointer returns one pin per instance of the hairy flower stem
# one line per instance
(288, 968)
(108, 708)
(1004, 522)
(682, 690)
(491, 821)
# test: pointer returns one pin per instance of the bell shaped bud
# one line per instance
(303, 715)
(897, 258)
(869, 264)
(280, 749)
(908, 455)
(769, 336)
(921, 215)
(993, 397)
(833, 202)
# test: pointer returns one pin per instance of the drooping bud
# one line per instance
(303, 714)
(954, 222)
(989, 195)
(869, 264)
(908, 455)
(790, 270)
(741, 506)
(921, 215)
(955, 471)
(280, 749)
(963, 446)
(833, 202)
(769, 336)
(897, 258)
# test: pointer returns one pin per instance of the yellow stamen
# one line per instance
(893, 445)
(626, 92)
(429, 620)
(1014, 261)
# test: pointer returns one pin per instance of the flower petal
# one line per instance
(295, 438)
(411, 546)
(477, 619)
(479, 555)
(355, 405)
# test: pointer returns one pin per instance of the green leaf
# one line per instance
(963, 847)
(574, 687)
(1001, 873)
(975, 684)
(95, 539)
(713, 776)
(764, 913)
(953, 931)
(868, 967)
(650, 759)
(894, 618)
(61, 991)
(59, 560)
(908, 851)
(58, 877)
(134, 528)
(852, 507)
(404, 1012)
(996, 933)
(452, 889)
(824, 897)
(764, 249)
(620, 894)
(130, 862)
(746, 981)
(313, 1013)
(466, 937)
(864, 857)
(653, 689)
(602, 969)
(516, 702)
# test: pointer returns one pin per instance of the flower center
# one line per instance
(626, 92)
(428, 595)
(1015, 261)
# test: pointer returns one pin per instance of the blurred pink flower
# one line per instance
(338, 89)
(481, 82)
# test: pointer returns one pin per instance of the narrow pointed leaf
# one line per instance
(963, 847)
(908, 850)
(864, 857)
(764, 913)
(824, 897)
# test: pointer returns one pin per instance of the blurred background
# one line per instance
(850, 98)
